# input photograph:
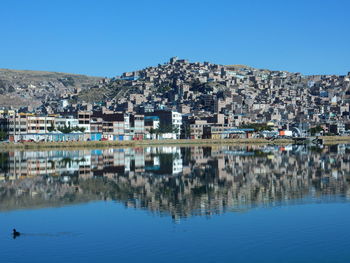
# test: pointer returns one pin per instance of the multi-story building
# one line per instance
(137, 126)
(84, 118)
(196, 128)
(24, 123)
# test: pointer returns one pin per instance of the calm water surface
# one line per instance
(172, 204)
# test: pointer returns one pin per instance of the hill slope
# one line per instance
(26, 87)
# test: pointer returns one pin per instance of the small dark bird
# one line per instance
(16, 233)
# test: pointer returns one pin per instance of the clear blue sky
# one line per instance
(106, 37)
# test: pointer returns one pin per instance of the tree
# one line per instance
(315, 130)
(68, 129)
(166, 128)
(152, 131)
(3, 135)
(175, 129)
(256, 126)
(186, 131)
(76, 128)
(64, 129)
(52, 127)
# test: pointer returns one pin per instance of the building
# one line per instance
(169, 121)
(84, 118)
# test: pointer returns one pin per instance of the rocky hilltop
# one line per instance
(26, 87)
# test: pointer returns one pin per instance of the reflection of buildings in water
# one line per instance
(166, 160)
(33, 163)
(181, 181)
(88, 163)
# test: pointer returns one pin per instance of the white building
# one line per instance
(176, 120)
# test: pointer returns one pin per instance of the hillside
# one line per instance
(200, 87)
(26, 87)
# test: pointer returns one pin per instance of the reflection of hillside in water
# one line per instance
(177, 181)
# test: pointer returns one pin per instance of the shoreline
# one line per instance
(146, 143)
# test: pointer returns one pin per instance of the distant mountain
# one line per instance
(26, 87)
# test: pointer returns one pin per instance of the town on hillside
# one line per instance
(185, 100)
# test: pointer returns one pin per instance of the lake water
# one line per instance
(177, 204)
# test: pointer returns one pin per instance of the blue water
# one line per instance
(170, 204)
(109, 232)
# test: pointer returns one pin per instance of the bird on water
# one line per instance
(16, 233)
